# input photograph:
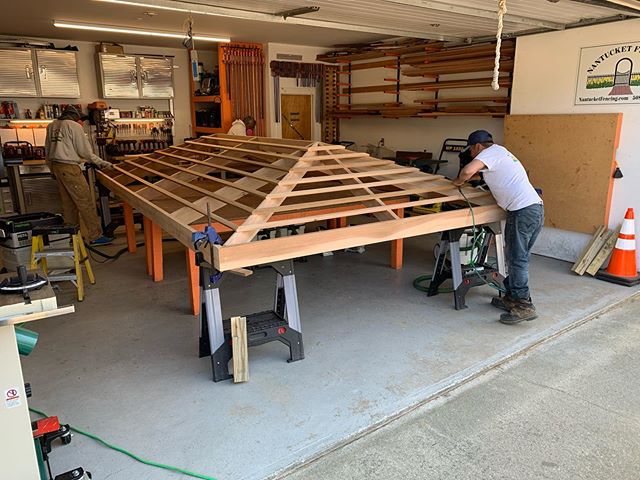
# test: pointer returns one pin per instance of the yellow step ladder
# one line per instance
(77, 252)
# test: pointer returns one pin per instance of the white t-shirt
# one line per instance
(238, 128)
(507, 179)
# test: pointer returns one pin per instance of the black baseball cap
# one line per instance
(479, 136)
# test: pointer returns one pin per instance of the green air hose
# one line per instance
(132, 455)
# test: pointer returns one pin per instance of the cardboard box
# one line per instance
(110, 48)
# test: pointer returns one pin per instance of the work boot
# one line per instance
(505, 302)
(522, 310)
(100, 241)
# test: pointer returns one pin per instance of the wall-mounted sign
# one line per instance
(609, 74)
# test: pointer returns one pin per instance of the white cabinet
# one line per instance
(17, 73)
(26, 72)
(135, 76)
(58, 73)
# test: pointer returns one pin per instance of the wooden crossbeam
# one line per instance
(195, 188)
(177, 198)
(321, 168)
(234, 139)
(228, 157)
(246, 150)
(221, 167)
(360, 211)
(235, 185)
(331, 178)
(318, 191)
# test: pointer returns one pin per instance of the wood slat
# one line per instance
(361, 211)
(221, 167)
(229, 157)
(245, 150)
(177, 198)
(345, 176)
(195, 188)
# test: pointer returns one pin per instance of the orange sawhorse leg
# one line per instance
(148, 244)
(156, 252)
(397, 247)
(130, 227)
(341, 222)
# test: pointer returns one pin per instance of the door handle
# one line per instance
(134, 77)
(28, 72)
(43, 71)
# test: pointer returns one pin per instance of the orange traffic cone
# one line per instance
(622, 265)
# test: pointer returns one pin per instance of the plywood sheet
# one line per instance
(572, 159)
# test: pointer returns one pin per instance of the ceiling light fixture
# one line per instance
(135, 31)
(294, 12)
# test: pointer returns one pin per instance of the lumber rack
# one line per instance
(477, 273)
(282, 323)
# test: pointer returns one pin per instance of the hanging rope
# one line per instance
(502, 9)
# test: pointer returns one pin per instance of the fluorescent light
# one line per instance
(134, 31)
(139, 120)
(27, 122)
(146, 5)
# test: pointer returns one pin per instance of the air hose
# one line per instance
(132, 455)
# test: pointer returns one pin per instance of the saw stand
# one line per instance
(280, 324)
(471, 275)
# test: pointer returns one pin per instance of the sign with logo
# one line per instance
(609, 74)
(12, 397)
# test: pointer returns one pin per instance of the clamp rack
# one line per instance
(474, 274)
(282, 323)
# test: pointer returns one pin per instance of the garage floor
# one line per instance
(125, 365)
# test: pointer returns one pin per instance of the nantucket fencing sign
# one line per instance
(609, 74)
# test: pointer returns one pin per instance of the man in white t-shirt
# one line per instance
(507, 179)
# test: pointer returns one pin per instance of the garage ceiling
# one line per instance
(337, 21)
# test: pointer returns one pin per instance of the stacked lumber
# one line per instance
(427, 60)
(597, 251)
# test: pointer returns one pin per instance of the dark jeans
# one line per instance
(523, 227)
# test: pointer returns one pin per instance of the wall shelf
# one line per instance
(206, 99)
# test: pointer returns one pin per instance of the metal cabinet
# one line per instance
(26, 72)
(17, 76)
(156, 75)
(58, 73)
(119, 75)
(135, 76)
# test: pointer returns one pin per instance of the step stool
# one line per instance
(78, 253)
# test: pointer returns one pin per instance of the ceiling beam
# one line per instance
(478, 13)
(202, 9)
(630, 7)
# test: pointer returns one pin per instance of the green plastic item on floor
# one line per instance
(26, 340)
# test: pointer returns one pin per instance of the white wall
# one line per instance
(288, 86)
(545, 80)
(89, 90)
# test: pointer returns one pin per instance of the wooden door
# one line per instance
(296, 117)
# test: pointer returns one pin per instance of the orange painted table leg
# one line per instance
(397, 246)
(194, 281)
(148, 244)
(341, 222)
(332, 223)
(156, 252)
(130, 227)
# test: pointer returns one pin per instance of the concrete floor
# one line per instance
(569, 410)
(125, 366)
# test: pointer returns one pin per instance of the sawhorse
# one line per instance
(280, 324)
(480, 272)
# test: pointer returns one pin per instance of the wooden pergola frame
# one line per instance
(249, 184)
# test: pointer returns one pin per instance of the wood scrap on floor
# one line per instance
(597, 251)
(240, 349)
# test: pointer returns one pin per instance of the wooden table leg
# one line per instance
(148, 244)
(341, 222)
(156, 252)
(397, 246)
(130, 227)
(331, 224)
(194, 281)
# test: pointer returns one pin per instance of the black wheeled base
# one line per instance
(467, 276)
(281, 324)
